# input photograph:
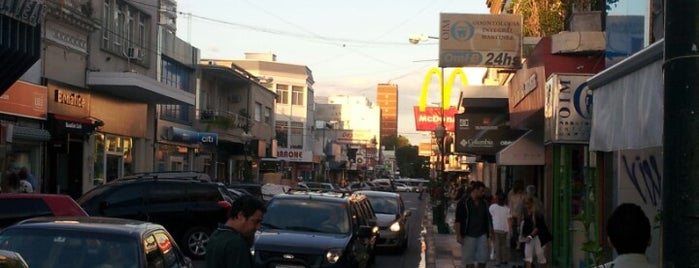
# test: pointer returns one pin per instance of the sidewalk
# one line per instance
(442, 249)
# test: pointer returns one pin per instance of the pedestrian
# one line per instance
(534, 232)
(13, 184)
(473, 226)
(229, 245)
(25, 175)
(502, 222)
(628, 230)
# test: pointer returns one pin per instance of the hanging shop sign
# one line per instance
(568, 109)
(431, 117)
(189, 136)
(294, 155)
(478, 40)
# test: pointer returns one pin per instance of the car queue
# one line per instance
(180, 211)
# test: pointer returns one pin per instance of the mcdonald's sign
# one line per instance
(446, 94)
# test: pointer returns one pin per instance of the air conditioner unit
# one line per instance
(134, 53)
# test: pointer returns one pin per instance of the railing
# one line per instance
(224, 119)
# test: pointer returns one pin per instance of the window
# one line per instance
(268, 115)
(282, 136)
(283, 92)
(175, 112)
(297, 95)
(258, 112)
(124, 26)
(296, 141)
(175, 75)
(105, 25)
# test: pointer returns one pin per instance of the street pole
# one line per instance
(680, 214)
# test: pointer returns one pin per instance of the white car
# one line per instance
(401, 187)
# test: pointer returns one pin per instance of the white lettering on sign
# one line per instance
(69, 98)
(290, 154)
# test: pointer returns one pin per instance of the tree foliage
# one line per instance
(410, 163)
(394, 142)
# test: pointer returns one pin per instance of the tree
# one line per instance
(394, 141)
(410, 163)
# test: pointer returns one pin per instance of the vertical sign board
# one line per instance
(568, 109)
(480, 40)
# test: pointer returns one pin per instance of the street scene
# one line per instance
(478, 133)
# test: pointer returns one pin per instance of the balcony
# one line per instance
(223, 120)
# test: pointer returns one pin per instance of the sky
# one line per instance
(350, 46)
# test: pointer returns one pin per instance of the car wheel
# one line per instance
(195, 240)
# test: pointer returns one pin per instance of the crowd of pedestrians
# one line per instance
(510, 229)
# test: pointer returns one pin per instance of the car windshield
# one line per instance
(60, 248)
(384, 205)
(307, 215)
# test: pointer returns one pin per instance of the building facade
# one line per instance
(293, 84)
(387, 100)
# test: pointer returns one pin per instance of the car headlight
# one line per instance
(395, 227)
(252, 250)
(333, 255)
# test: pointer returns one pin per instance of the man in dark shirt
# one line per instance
(229, 245)
(473, 226)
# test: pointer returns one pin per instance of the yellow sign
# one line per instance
(446, 95)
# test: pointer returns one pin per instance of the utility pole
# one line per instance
(680, 215)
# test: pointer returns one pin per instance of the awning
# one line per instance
(137, 87)
(528, 150)
(627, 98)
(61, 124)
(29, 133)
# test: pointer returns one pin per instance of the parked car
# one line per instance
(313, 185)
(401, 187)
(11, 259)
(254, 189)
(360, 185)
(317, 229)
(17, 207)
(383, 184)
(392, 217)
(190, 209)
(59, 242)
(417, 185)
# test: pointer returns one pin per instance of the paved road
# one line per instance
(414, 255)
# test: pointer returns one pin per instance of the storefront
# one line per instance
(22, 134)
(629, 137)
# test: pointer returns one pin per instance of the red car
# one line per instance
(17, 207)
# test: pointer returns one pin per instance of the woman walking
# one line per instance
(535, 234)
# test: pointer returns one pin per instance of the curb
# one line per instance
(430, 255)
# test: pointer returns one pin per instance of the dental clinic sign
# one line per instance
(568, 109)
(478, 40)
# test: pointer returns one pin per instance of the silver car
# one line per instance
(392, 218)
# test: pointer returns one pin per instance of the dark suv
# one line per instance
(314, 229)
(189, 208)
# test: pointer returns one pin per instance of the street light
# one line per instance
(415, 39)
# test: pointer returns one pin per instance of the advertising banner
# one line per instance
(431, 117)
(480, 40)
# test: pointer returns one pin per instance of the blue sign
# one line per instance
(189, 136)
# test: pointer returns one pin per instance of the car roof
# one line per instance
(328, 196)
(93, 224)
(377, 193)
(60, 204)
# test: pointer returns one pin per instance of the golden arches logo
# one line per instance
(446, 95)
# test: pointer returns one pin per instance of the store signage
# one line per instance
(353, 136)
(27, 11)
(568, 109)
(431, 117)
(25, 99)
(189, 136)
(69, 98)
(294, 155)
(478, 40)
(446, 94)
